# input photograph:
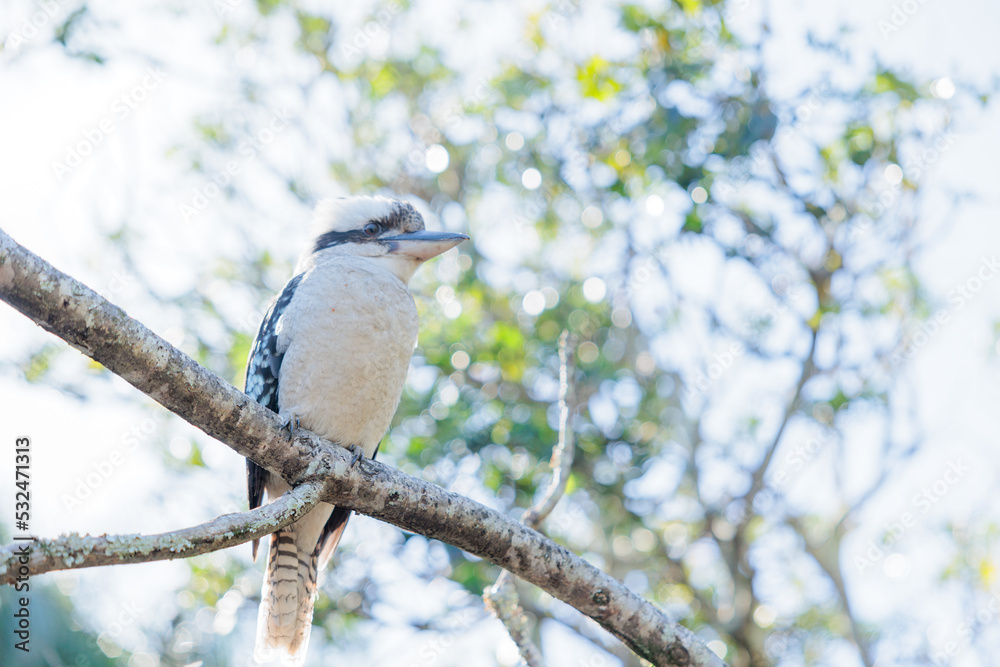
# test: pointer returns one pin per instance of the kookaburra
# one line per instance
(331, 356)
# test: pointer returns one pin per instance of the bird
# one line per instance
(331, 356)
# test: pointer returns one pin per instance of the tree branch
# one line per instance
(501, 598)
(102, 331)
(502, 601)
(826, 553)
(561, 461)
(757, 479)
(73, 551)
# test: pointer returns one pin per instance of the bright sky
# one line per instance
(50, 106)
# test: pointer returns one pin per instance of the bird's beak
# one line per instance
(423, 245)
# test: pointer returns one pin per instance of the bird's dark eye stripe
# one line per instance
(330, 239)
(370, 232)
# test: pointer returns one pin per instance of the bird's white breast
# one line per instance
(347, 353)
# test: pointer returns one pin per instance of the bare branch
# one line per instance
(757, 479)
(501, 598)
(826, 553)
(105, 333)
(70, 552)
(561, 461)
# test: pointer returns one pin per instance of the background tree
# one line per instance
(732, 247)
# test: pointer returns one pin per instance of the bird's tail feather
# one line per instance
(286, 609)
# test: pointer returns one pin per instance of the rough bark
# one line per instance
(27, 558)
(104, 332)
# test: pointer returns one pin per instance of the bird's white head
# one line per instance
(388, 231)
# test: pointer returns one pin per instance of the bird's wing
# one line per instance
(262, 381)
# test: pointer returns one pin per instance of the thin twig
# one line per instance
(827, 556)
(502, 601)
(757, 482)
(70, 552)
(502, 598)
(561, 461)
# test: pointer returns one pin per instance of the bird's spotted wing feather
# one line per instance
(262, 381)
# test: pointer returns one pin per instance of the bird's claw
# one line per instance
(357, 453)
(290, 424)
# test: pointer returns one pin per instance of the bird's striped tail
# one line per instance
(286, 608)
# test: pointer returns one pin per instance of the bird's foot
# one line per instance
(357, 453)
(290, 424)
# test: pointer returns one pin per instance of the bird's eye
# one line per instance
(373, 229)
